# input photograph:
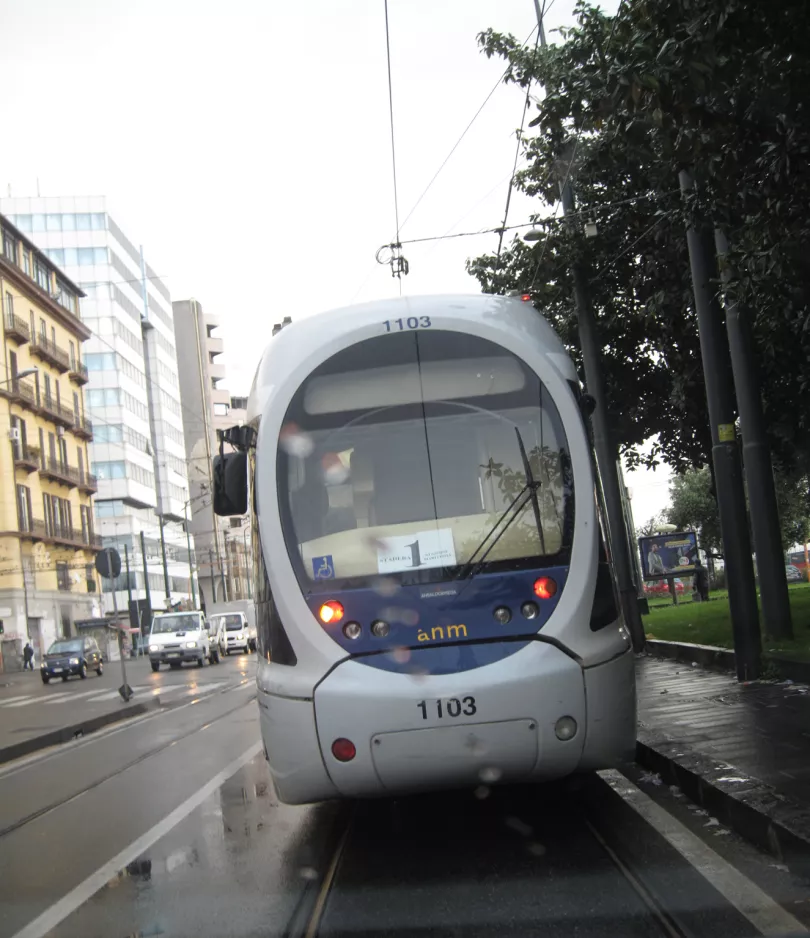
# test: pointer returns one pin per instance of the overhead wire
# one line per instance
(464, 133)
(393, 142)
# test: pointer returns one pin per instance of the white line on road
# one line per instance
(68, 904)
(767, 916)
(9, 700)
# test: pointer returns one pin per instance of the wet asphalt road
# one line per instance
(549, 860)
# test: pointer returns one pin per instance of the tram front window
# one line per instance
(398, 456)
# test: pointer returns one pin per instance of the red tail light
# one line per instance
(331, 611)
(545, 587)
(344, 750)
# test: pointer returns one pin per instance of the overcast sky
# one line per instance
(247, 144)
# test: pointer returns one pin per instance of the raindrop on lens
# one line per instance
(490, 774)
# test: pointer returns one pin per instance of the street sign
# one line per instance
(108, 563)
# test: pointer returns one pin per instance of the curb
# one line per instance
(754, 810)
(67, 733)
(722, 659)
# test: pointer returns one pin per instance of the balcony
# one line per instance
(82, 427)
(69, 537)
(42, 347)
(16, 328)
(88, 483)
(26, 457)
(78, 373)
(34, 528)
(57, 411)
(21, 391)
(60, 472)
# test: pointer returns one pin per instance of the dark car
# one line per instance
(71, 656)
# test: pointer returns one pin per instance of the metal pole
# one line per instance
(125, 687)
(225, 591)
(211, 571)
(162, 521)
(25, 593)
(146, 574)
(190, 567)
(773, 589)
(730, 493)
(247, 564)
(129, 591)
(606, 454)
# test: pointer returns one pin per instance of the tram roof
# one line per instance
(296, 341)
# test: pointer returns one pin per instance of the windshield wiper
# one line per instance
(533, 486)
(529, 491)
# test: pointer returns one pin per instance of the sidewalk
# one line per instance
(741, 750)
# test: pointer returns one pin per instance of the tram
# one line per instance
(435, 607)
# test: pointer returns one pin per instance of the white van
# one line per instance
(237, 631)
(177, 637)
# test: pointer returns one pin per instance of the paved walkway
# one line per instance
(761, 729)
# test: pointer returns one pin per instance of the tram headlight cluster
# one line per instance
(352, 630)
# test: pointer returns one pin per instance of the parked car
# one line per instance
(793, 574)
(176, 637)
(71, 656)
(661, 587)
(217, 639)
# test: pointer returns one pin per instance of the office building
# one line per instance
(222, 543)
(47, 537)
(133, 396)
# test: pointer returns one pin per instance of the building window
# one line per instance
(9, 305)
(57, 255)
(73, 356)
(43, 276)
(24, 507)
(221, 410)
(10, 247)
(63, 576)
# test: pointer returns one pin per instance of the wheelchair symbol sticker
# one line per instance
(323, 567)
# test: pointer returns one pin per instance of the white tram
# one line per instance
(434, 604)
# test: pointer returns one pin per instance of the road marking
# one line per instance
(68, 904)
(767, 916)
(9, 700)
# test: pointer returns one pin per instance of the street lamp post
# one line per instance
(247, 564)
(188, 546)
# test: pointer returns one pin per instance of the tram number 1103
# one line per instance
(402, 325)
(452, 707)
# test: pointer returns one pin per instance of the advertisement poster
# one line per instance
(417, 551)
(665, 555)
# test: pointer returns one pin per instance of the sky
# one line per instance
(247, 145)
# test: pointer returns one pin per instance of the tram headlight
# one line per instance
(502, 614)
(380, 629)
(565, 728)
(331, 611)
(545, 587)
(529, 610)
(352, 630)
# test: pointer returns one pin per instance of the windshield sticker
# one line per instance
(323, 568)
(416, 551)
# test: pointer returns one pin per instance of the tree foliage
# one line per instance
(692, 505)
(721, 87)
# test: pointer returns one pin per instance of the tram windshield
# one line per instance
(400, 454)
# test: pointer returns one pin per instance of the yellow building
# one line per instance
(47, 542)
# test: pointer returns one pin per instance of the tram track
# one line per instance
(543, 860)
(142, 757)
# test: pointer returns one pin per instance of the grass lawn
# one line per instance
(710, 624)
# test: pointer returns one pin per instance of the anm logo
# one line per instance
(437, 632)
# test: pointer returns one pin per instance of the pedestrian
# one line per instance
(701, 581)
(28, 657)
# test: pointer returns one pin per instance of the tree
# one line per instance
(692, 505)
(651, 525)
(721, 86)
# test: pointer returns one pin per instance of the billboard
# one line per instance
(665, 555)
